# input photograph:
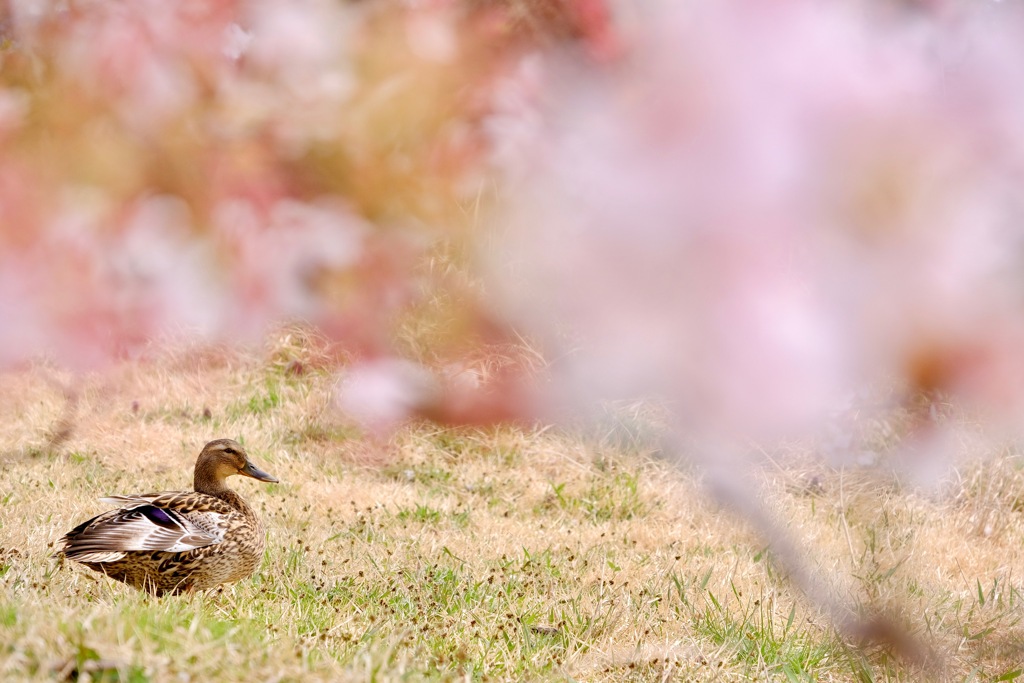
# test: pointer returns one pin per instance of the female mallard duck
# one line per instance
(177, 540)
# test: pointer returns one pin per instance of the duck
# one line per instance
(173, 542)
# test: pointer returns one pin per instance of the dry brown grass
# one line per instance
(509, 554)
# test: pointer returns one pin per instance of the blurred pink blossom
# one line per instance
(215, 167)
(276, 260)
(768, 205)
(382, 393)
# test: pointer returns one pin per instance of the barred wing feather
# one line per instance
(139, 525)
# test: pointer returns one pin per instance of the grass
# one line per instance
(500, 554)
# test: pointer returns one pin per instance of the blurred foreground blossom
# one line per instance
(749, 210)
(213, 168)
(768, 206)
(382, 393)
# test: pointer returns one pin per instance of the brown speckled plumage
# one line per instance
(177, 541)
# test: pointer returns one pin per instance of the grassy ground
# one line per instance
(506, 554)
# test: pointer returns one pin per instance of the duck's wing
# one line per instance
(147, 522)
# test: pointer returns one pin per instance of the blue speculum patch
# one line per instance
(157, 516)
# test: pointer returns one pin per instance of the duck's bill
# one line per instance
(251, 470)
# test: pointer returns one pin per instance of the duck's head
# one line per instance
(221, 459)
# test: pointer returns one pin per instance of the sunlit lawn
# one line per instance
(504, 554)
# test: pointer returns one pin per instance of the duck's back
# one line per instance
(208, 540)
